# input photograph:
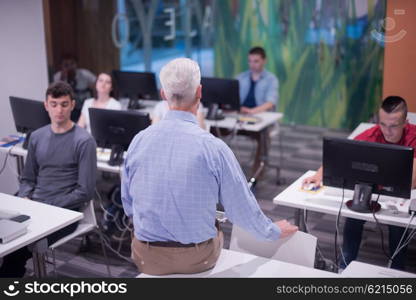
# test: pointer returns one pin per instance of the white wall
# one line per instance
(23, 67)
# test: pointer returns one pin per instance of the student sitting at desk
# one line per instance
(162, 108)
(174, 175)
(393, 128)
(258, 87)
(60, 168)
(103, 99)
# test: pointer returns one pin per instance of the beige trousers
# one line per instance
(156, 260)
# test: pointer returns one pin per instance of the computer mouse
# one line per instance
(310, 187)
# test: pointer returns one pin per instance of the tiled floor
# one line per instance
(302, 151)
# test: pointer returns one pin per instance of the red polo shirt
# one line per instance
(374, 134)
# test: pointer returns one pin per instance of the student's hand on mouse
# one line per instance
(246, 110)
(316, 180)
(286, 228)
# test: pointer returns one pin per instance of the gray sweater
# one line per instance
(61, 168)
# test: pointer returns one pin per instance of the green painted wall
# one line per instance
(328, 65)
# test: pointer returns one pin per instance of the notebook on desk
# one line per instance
(249, 119)
(10, 140)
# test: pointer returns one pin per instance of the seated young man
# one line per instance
(60, 168)
(393, 128)
(258, 87)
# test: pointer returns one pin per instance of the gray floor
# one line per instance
(301, 151)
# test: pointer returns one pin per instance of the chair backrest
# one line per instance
(411, 117)
(298, 248)
(89, 214)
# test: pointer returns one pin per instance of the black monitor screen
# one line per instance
(116, 129)
(28, 115)
(224, 92)
(136, 85)
(386, 168)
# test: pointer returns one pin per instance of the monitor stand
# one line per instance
(26, 142)
(214, 113)
(361, 201)
(116, 155)
(134, 103)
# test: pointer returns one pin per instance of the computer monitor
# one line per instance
(115, 129)
(367, 168)
(136, 86)
(219, 93)
(28, 116)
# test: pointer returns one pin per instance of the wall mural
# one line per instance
(328, 62)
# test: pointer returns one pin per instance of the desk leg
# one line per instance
(262, 155)
(20, 165)
(300, 220)
(38, 256)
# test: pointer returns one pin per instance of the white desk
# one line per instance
(102, 159)
(237, 264)
(230, 122)
(359, 269)
(328, 200)
(266, 119)
(44, 220)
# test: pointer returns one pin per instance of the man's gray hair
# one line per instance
(180, 79)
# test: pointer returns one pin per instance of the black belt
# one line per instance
(172, 244)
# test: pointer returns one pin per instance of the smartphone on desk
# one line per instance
(20, 218)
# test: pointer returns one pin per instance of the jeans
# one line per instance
(353, 231)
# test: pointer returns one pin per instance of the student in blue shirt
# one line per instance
(174, 176)
(258, 87)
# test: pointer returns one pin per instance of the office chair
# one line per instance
(86, 225)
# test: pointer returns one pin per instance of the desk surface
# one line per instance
(44, 220)
(230, 122)
(359, 269)
(102, 159)
(328, 200)
(237, 264)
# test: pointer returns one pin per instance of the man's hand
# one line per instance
(286, 228)
(315, 179)
(246, 110)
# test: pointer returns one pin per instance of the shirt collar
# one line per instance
(262, 74)
(181, 115)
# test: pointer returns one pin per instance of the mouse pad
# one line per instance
(315, 190)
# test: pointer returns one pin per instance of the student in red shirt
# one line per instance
(392, 128)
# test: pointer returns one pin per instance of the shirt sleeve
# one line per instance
(272, 92)
(239, 203)
(91, 78)
(30, 172)
(87, 175)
